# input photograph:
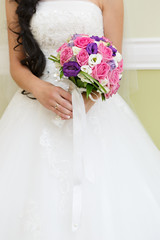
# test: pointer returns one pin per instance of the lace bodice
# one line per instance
(55, 21)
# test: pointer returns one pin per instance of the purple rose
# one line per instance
(114, 50)
(92, 48)
(71, 44)
(75, 36)
(71, 69)
(112, 64)
(96, 38)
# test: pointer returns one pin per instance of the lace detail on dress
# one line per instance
(58, 165)
(79, 17)
(30, 220)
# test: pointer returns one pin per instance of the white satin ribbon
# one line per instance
(82, 164)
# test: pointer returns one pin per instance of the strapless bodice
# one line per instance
(55, 21)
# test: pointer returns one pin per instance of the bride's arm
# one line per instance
(113, 29)
(47, 94)
(113, 14)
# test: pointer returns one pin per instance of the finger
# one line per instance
(63, 116)
(66, 95)
(64, 110)
(61, 109)
(64, 103)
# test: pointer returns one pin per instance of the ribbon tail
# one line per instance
(82, 162)
(77, 207)
(78, 126)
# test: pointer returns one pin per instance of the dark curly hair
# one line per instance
(35, 59)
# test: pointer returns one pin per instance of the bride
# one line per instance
(71, 168)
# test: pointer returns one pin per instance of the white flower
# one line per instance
(104, 82)
(87, 69)
(58, 55)
(118, 57)
(105, 43)
(120, 76)
(98, 42)
(94, 59)
(107, 89)
(57, 65)
(83, 79)
(116, 63)
(76, 50)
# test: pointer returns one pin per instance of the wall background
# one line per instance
(147, 102)
(144, 19)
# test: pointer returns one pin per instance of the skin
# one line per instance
(47, 94)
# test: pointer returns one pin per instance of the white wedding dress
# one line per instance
(93, 177)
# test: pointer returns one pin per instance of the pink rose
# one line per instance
(61, 47)
(84, 35)
(113, 90)
(82, 57)
(66, 55)
(105, 51)
(82, 42)
(107, 40)
(114, 77)
(100, 71)
(120, 66)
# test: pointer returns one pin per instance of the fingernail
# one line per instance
(68, 117)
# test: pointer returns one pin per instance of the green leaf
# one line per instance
(61, 74)
(73, 80)
(53, 57)
(89, 88)
(103, 97)
(54, 60)
(80, 84)
(93, 80)
(96, 87)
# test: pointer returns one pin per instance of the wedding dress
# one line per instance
(93, 177)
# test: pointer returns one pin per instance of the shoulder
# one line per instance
(113, 14)
(11, 7)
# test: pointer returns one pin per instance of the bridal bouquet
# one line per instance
(92, 63)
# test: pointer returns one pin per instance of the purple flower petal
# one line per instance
(75, 36)
(112, 64)
(71, 69)
(92, 48)
(114, 50)
(71, 44)
(96, 38)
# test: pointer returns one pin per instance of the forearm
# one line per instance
(24, 78)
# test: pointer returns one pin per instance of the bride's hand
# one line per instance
(88, 102)
(50, 96)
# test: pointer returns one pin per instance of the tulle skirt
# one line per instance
(37, 175)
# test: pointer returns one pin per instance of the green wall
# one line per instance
(147, 102)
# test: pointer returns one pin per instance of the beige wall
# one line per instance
(144, 18)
